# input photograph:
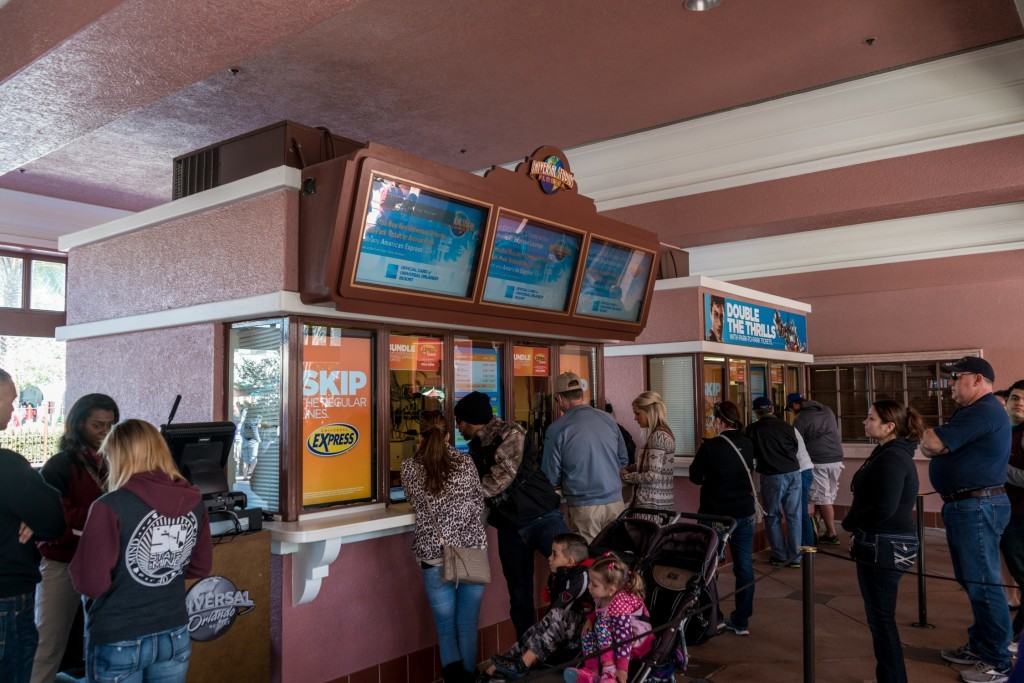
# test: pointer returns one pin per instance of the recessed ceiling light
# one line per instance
(701, 5)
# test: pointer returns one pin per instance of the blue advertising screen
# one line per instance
(729, 321)
(477, 368)
(419, 240)
(614, 281)
(532, 265)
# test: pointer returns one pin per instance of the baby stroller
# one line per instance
(631, 534)
(679, 570)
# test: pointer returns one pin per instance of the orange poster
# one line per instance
(337, 425)
(529, 361)
(421, 354)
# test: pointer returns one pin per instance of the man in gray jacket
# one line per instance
(817, 425)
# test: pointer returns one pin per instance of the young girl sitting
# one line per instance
(620, 619)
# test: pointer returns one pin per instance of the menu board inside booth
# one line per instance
(419, 240)
(614, 281)
(532, 264)
(337, 416)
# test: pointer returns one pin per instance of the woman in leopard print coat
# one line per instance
(444, 489)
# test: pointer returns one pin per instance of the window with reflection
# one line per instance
(256, 353)
(531, 391)
(673, 378)
(46, 285)
(478, 367)
(581, 360)
(777, 388)
(738, 386)
(415, 385)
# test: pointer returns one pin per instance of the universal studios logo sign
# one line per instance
(213, 604)
(552, 174)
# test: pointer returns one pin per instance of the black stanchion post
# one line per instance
(922, 591)
(808, 605)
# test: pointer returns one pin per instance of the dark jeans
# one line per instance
(974, 527)
(879, 583)
(808, 537)
(18, 637)
(1012, 546)
(516, 546)
(741, 544)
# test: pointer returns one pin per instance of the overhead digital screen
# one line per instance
(614, 281)
(532, 265)
(419, 240)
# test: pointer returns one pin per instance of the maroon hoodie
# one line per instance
(76, 476)
(139, 545)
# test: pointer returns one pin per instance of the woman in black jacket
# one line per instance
(881, 521)
(722, 469)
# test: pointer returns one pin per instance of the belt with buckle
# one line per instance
(974, 493)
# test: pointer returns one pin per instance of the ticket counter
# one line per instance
(386, 286)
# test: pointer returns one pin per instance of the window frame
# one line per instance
(23, 321)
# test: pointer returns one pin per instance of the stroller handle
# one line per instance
(728, 522)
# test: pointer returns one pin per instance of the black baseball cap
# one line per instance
(794, 397)
(762, 402)
(979, 366)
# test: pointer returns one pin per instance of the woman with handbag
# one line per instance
(653, 474)
(722, 468)
(449, 541)
(882, 523)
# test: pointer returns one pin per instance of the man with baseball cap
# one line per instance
(775, 459)
(583, 453)
(969, 456)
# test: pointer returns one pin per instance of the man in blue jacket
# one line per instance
(29, 508)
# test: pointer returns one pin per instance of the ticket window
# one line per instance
(758, 381)
(531, 391)
(714, 383)
(738, 384)
(338, 416)
(415, 385)
(581, 360)
(478, 367)
(777, 377)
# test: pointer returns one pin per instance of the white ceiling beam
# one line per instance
(34, 220)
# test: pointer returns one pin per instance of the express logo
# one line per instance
(552, 175)
(330, 440)
(213, 604)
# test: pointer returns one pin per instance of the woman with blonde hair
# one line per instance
(156, 521)
(653, 472)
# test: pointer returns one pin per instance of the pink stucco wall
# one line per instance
(675, 316)
(242, 249)
(143, 371)
(373, 608)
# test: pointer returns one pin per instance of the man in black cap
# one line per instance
(775, 449)
(969, 456)
(523, 505)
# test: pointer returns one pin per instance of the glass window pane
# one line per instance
(478, 368)
(925, 402)
(921, 376)
(531, 391)
(256, 353)
(738, 386)
(338, 453)
(777, 377)
(852, 428)
(415, 384)
(853, 403)
(581, 360)
(888, 382)
(823, 381)
(673, 378)
(37, 365)
(714, 375)
(854, 378)
(47, 288)
(11, 281)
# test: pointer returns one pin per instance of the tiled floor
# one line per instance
(773, 651)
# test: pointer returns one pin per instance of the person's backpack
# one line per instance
(630, 444)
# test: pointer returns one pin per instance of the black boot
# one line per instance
(454, 673)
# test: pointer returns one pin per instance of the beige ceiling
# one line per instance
(97, 96)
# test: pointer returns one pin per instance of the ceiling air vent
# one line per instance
(196, 172)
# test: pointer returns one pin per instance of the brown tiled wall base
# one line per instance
(424, 666)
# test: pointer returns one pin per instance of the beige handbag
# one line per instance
(465, 565)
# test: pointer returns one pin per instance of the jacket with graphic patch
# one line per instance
(139, 545)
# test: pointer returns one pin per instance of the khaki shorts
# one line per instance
(588, 520)
(825, 485)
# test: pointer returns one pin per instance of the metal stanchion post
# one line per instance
(922, 592)
(808, 605)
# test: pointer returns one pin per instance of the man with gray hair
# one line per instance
(583, 453)
(29, 509)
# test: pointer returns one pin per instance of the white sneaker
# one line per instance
(985, 673)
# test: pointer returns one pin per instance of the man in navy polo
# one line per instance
(968, 469)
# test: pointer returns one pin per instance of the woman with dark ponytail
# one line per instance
(443, 487)
(882, 524)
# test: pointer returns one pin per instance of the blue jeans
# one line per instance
(160, 657)
(974, 527)
(516, 546)
(456, 610)
(741, 544)
(18, 637)
(781, 494)
(806, 477)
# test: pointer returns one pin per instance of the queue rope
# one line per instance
(941, 577)
(547, 670)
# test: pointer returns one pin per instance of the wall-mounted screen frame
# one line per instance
(417, 239)
(532, 263)
(615, 281)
